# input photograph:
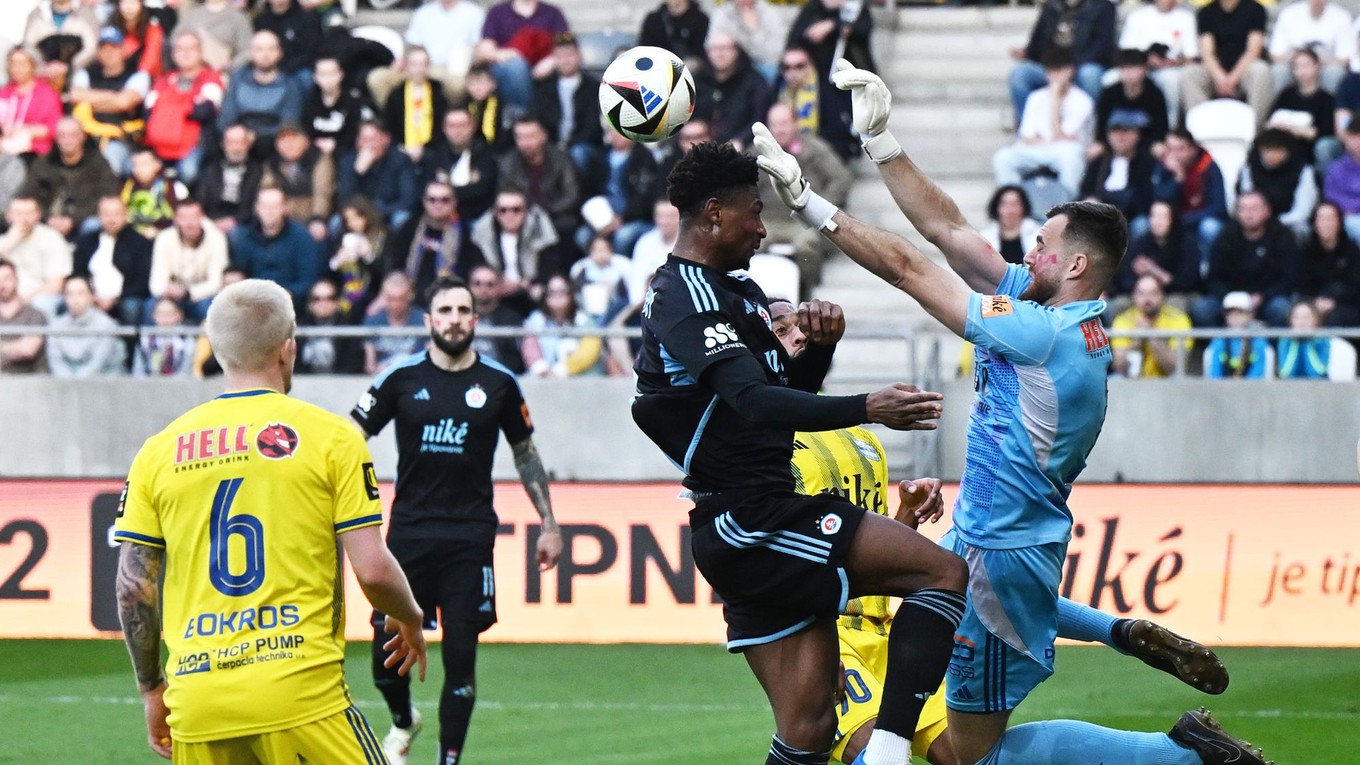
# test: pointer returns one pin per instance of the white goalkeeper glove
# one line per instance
(788, 181)
(871, 103)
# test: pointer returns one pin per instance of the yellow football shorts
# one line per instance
(865, 655)
(341, 739)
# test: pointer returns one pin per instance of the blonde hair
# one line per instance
(248, 321)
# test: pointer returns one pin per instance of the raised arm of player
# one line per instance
(535, 479)
(386, 588)
(139, 611)
(934, 213)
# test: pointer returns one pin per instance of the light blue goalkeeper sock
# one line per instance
(1081, 622)
(1070, 742)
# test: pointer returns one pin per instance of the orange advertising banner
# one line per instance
(1230, 565)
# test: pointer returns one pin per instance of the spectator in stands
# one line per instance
(332, 113)
(1329, 271)
(1255, 255)
(143, 36)
(757, 27)
(1190, 179)
(1055, 127)
(464, 159)
(1133, 93)
(307, 178)
(83, 355)
(1162, 253)
(380, 172)
(69, 180)
(180, 104)
(116, 261)
(260, 96)
(653, 248)
(517, 43)
(63, 33)
(358, 258)
(731, 94)
(1148, 357)
(601, 280)
(223, 29)
(397, 310)
(1122, 176)
(550, 355)
(1232, 38)
(547, 178)
(106, 99)
(1241, 357)
(188, 260)
(1013, 230)
(487, 285)
(168, 354)
(29, 107)
(298, 30)
(1303, 358)
(692, 132)
(826, 172)
(19, 354)
(822, 25)
(1167, 33)
(227, 186)
(1279, 169)
(820, 107)
(518, 239)
(449, 30)
(275, 248)
(567, 103)
(679, 26)
(493, 117)
(433, 244)
(1308, 112)
(149, 195)
(631, 185)
(1315, 25)
(40, 256)
(322, 355)
(416, 106)
(1081, 29)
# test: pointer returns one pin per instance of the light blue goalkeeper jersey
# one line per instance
(1040, 375)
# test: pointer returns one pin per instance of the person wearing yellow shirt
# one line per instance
(1148, 357)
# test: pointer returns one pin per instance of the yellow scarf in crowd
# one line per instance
(419, 115)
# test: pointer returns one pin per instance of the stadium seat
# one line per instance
(1341, 361)
(385, 36)
(1044, 191)
(776, 275)
(1225, 128)
(599, 48)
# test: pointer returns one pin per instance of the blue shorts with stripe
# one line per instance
(1003, 647)
(777, 560)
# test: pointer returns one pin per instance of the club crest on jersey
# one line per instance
(276, 441)
(867, 449)
(760, 311)
(475, 397)
(829, 524)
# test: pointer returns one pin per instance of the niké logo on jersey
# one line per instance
(720, 334)
(447, 435)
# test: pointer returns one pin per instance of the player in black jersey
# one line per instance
(450, 405)
(721, 397)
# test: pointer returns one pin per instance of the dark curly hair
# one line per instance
(710, 170)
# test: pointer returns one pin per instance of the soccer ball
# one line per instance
(646, 94)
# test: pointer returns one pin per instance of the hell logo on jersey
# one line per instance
(211, 443)
(277, 441)
(1094, 334)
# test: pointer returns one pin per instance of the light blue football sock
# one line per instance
(1071, 742)
(1081, 622)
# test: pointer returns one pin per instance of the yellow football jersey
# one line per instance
(850, 462)
(247, 494)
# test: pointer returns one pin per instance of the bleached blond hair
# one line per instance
(248, 321)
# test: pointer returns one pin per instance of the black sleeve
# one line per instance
(740, 382)
(515, 421)
(376, 407)
(807, 372)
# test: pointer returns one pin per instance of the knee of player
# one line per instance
(952, 572)
(812, 731)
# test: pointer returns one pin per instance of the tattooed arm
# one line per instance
(138, 587)
(535, 479)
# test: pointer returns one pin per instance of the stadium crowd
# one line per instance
(152, 152)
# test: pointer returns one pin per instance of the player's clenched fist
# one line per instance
(904, 407)
(823, 322)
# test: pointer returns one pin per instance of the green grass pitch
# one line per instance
(73, 702)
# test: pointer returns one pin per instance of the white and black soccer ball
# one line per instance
(646, 94)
